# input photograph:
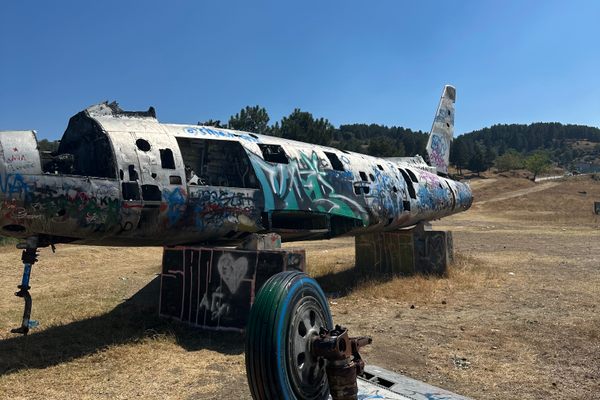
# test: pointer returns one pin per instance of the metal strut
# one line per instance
(344, 361)
(29, 257)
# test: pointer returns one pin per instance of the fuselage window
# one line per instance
(133, 175)
(412, 175)
(143, 145)
(336, 164)
(175, 180)
(273, 153)
(131, 191)
(361, 188)
(166, 159)
(363, 176)
(409, 184)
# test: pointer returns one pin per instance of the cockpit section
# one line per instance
(84, 150)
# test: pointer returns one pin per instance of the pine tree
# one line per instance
(300, 125)
(251, 119)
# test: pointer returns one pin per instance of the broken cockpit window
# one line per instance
(84, 150)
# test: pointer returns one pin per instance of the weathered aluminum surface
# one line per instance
(401, 388)
(18, 150)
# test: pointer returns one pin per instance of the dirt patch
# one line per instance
(517, 317)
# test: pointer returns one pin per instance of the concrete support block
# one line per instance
(404, 252)
(386, 253)
(214, 287)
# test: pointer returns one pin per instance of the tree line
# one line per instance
(515, 146)
(373, 139)
(506, 146)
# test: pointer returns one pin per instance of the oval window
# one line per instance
(142, 144)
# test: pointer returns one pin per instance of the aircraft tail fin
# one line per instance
(442, 132)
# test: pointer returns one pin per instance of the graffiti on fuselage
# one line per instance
(218, 133)
(464, 198)
(85, 207)
(45, 202)
(91, 206)
(433, 194)
(216, 207)
(305, 184)
(385, 199)
(174, 204)
(11, 184)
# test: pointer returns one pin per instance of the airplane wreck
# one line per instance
(122, 178)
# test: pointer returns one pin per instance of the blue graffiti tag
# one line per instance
(13, 183)
(175, 204)
(204, 131)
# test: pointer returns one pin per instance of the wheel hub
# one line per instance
(307, 370)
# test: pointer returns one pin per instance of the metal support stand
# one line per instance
(344, 362)
(29, 257)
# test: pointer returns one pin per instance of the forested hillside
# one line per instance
(565, 145)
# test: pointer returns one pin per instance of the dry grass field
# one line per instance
(518, 316)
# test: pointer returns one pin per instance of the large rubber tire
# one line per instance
(289, 309)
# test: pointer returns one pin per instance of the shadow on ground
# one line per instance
(134, 320)
(131, 321)
(341, 283)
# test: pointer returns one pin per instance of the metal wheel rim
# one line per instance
(308, 372)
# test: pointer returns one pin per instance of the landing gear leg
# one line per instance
(29, 257)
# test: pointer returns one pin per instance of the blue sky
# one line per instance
(349, 61)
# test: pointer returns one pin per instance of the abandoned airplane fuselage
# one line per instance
(123, 178)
